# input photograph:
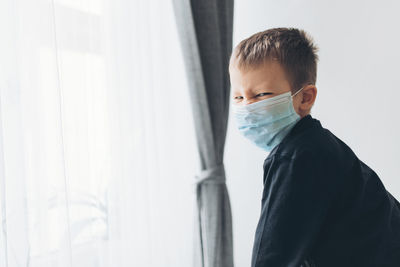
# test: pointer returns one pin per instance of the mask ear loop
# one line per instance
(297, 92)
(300, 90)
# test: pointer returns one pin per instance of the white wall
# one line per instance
(358, 93)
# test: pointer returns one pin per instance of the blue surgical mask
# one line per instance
(267, 122)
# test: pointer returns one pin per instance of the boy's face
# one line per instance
(266, 81)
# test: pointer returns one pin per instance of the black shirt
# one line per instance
(322, 206)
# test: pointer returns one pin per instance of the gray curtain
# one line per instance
(205, 30)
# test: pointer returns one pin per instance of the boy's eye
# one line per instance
(260, 94)
(263, 94)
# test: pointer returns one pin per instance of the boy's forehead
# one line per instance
(269, 73)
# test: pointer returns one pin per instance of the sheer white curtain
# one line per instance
(97, 149)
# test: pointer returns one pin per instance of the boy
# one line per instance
(321, 205)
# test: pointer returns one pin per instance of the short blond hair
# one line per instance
(293, 48)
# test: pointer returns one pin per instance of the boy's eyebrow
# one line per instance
(257, 91)
(263, 90)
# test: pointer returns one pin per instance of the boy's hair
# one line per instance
(292, 48)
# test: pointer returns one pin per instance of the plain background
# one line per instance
(358, 93)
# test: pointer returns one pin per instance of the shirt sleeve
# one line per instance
(298, 192)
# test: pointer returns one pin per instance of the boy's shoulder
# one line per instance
(308, 139)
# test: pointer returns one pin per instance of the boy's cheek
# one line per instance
(296, 106)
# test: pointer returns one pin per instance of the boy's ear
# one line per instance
(308, 95)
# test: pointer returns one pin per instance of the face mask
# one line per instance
(267, 122)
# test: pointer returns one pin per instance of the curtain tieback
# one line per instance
(214, 175)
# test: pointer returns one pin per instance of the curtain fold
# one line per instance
(205, 29)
